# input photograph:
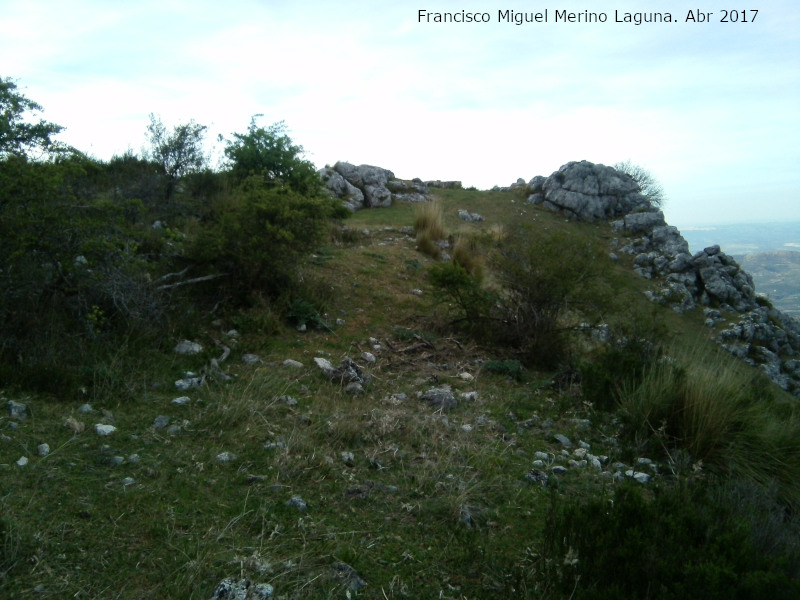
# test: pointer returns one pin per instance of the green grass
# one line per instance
(433, 505)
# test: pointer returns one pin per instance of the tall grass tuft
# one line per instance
(466, 252)
(429, 227)
(720, 414)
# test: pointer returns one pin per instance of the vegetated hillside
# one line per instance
(777, 274)
(643, 462)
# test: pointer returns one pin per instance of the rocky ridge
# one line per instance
(746, 323)
(366, 186)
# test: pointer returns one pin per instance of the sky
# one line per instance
(711, 109)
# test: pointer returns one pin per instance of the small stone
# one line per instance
(466, 428)
(128, 481)
(243, 589)
(559, 470)
(181, 401)
(440, 398)
(161, 422)
(251, 359)
(292, 363)
(537, 476)
(302, 328)
(17, 410)
(226, 457)
(288, 400)
(23, 460)
(579, 453)
(354, 388)
(186, 347)
(104, 430)
(43, 449)
(563, 440)
(134, 459)
(417, 292)
(466, 376)
(543, 456)
(297, 502)
(638, 476)
(116, 461)
(584, 445)
(348, 458)
(85, 409)
(369, 357)
(469, 396)
(188, 383)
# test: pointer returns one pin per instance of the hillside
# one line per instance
(442, 473)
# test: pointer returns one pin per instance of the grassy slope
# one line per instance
(433, 505)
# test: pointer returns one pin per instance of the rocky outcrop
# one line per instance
(444, 185)
(748, 326)
(366, 186)
(588, 192)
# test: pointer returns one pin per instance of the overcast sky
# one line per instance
(712, 109)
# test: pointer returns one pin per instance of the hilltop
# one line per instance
(549, 397)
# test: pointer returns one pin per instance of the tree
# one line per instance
(20, 136)
(270, 153)
(179, 152)
(651, 188)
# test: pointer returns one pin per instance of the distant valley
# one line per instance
(770, 252)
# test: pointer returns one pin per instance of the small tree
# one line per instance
(651, 188)
(179, 152)
(19, 135)
(269, 152)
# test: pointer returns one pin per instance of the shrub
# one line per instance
(682, 543)
(256, 236)
(467, 254)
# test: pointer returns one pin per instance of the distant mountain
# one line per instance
(770, 252)
(744, 238)
(776, 274)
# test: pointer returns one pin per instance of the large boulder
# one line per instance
(367, 186)
(589, 192)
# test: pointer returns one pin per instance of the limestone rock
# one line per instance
(367, 186)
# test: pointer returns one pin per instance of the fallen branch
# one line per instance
(190, 281)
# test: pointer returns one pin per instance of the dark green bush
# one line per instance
(680, 543)
(509, 368)
(255, 236)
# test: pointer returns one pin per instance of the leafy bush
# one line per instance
(685, 542)
(269, 153)
(257, 234)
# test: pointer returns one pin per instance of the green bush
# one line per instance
(256, 235)
(684, 542)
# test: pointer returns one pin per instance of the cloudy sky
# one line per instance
(712, 109)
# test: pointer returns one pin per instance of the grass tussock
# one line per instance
(429, 228)
(721, 414)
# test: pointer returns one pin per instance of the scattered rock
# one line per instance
(563, 440)
(128, 482)
(104, 430)
(181, 401)
(351, 578)
(187, 348)
(537, 476)
(226, 457)
(188, 383)
(242, 589)
(297, 502)
(440, 398)
(288, 400)
(17, 410)
(23, 461)
(292, 363)
(161, 421)
(348, 458)
(251, 359)
(469, 217)
(43, 449)
(85, 409)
